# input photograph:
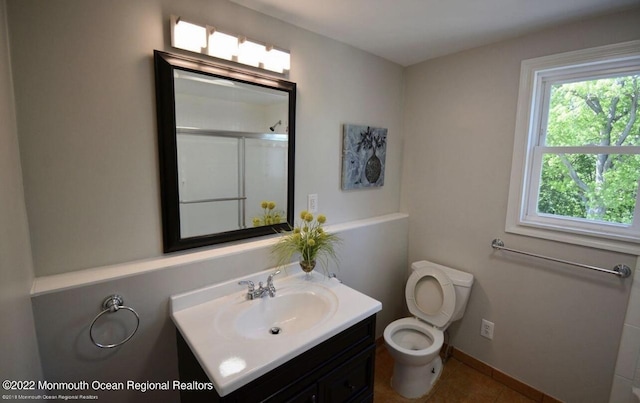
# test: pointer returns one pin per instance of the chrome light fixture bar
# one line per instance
(207, 40)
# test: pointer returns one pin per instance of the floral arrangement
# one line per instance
(269, 216)
(310, 241)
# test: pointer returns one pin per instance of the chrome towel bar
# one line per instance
(620, 270)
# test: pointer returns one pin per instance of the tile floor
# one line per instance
(458, 383)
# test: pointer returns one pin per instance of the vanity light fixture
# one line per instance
(222, 45)
(277, 60)
(251, 53)
(209, 41)
(188, 36)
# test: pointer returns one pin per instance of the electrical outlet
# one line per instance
(312, 203)
(487, 329)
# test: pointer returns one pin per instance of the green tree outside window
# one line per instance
(598, 185)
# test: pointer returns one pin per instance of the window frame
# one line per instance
(536, 78)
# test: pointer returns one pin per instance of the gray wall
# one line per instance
(86, 116)
(557, 328)
(18, 347)
(86, 112)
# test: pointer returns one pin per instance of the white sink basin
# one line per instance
(288, 313)
(234, 338)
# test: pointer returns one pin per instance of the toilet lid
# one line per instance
(431, 296)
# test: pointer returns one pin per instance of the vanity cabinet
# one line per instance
(338, 370)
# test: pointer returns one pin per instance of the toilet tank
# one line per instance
(462, 282)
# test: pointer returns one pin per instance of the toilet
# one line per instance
(436, 296)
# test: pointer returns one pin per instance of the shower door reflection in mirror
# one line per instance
(229, 159)
(233, 150)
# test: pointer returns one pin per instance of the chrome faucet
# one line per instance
(252, 293)
(271, 289)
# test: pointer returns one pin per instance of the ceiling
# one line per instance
(410, 31)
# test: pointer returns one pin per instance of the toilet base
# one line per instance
(415, 381)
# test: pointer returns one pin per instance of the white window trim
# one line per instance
(527, 119)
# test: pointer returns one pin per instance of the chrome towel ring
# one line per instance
(112, 304)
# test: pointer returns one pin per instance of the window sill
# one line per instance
(558, 235)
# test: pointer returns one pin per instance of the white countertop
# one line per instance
(204, 318)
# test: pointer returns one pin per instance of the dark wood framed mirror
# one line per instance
(227, 152)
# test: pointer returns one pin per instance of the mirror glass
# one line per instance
(226, 152)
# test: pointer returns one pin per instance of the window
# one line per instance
(576, 165)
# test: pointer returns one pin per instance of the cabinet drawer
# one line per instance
(352, 381)
(309, 395)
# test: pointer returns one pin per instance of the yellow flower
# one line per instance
(307, 239)
(270, 216)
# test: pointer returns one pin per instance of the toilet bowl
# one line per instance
(436, 295)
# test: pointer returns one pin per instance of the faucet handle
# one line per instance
(248, 283)
(270, 278)
(270, 287)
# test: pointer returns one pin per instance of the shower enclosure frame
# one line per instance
(242, 137)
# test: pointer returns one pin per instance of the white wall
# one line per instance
(557, 328)
(86, 112)
(210, 113)
(18, 347)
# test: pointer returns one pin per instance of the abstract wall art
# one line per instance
(363, 156)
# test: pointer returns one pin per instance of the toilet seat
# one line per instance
(431, 296)
(436, 336)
